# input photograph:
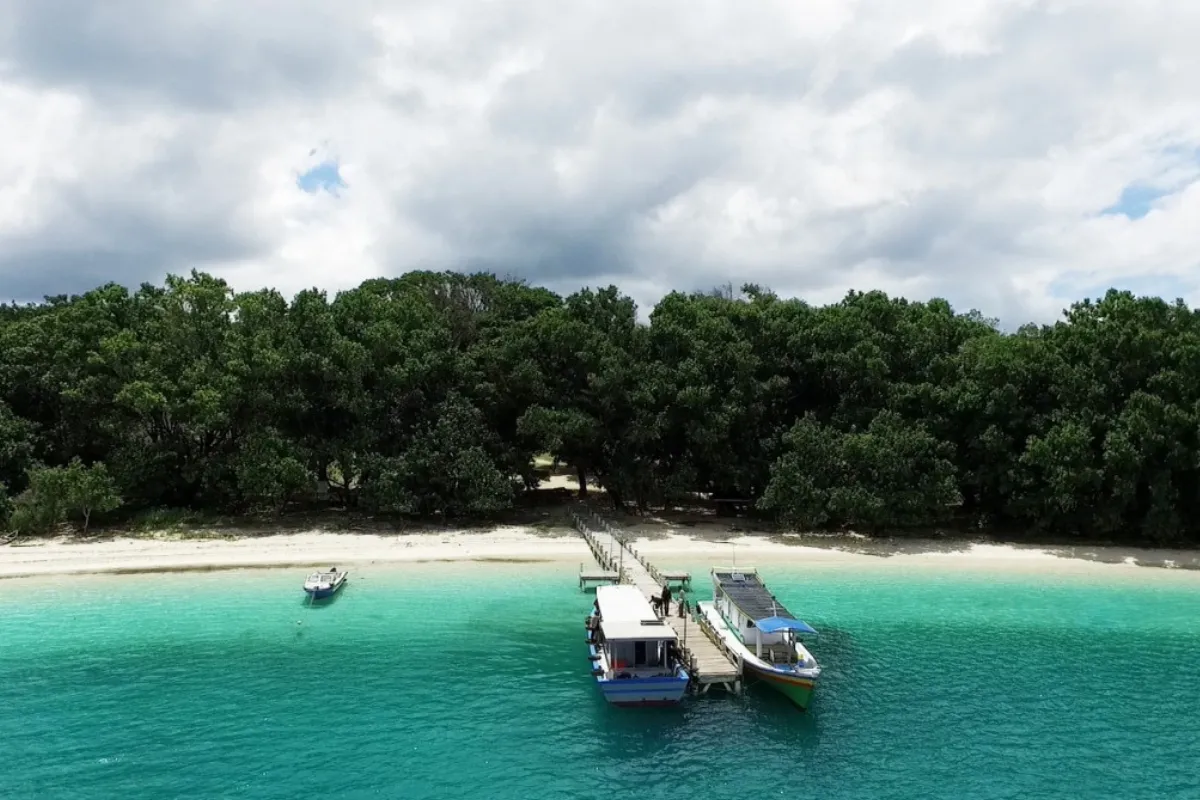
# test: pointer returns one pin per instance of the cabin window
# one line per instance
(749, 623)
(621, 655)
(639, 653)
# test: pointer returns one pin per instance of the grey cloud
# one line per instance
(487, 193)
(507, 210)
(170, 215)
(938, 225)
(1017, 101)
(186, 52)
(30, 277)
(143, 250)
(540, 105)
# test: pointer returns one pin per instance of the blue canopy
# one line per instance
(776, 624)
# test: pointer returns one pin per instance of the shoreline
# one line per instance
(517, 544)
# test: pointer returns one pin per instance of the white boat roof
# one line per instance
(625, 614)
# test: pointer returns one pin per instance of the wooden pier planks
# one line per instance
(710, 663)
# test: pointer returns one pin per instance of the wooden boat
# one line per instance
(765, 635)
(633, 652)
(322, 584)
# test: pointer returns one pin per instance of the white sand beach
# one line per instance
(692, 547)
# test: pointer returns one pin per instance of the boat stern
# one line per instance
(657, 691)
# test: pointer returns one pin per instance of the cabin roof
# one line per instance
(623, 603)
(656, 631)
(777, 624)
(750, 595)
(625, 613)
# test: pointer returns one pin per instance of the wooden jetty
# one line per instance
(589, 579)
(709, 663)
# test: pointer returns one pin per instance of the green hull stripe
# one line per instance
(800, 695)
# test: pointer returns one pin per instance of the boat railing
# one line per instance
(715, 638)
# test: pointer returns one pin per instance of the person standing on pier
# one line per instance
(683, 604)
(666, 599)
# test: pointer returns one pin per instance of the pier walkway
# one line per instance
(708, 663)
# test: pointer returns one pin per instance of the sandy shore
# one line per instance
(690, 548)
(307, 549)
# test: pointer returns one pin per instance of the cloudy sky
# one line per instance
(1011, 155)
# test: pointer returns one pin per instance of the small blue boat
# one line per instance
(322, 584)
(633, 652)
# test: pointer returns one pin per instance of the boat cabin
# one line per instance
(753, 613)
(636, 643)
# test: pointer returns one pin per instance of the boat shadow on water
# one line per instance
(765, 704)
(324, 602)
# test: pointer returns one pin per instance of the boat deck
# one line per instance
(748, 593)
(710, 664)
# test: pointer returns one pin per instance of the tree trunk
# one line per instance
(583, 489)
(322, 482)
(87, 515)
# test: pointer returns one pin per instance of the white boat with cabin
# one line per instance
(753, 624)
(634, 654)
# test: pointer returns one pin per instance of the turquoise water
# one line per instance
(445, 681)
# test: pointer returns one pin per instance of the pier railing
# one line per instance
(716, 639)
(604, 557)
(592, 518)
(590, 524)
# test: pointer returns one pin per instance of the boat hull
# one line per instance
(324, 592)
(798, 690)
(665, 690)
(643, 691)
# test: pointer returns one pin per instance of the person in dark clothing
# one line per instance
(666, 600)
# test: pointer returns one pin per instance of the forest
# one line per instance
(430, 395)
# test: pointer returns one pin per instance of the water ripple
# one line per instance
(193, 687)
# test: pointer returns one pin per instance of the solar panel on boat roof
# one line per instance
(751, 596)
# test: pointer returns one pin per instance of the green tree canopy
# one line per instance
(431, 393)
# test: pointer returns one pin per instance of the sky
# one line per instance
(1011, 156)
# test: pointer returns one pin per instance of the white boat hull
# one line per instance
(795, 682)
(321, 589)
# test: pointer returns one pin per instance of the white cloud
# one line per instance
(954, 148)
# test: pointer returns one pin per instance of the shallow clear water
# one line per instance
(447, 681)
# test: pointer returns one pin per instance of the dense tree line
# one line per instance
(432, 393)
